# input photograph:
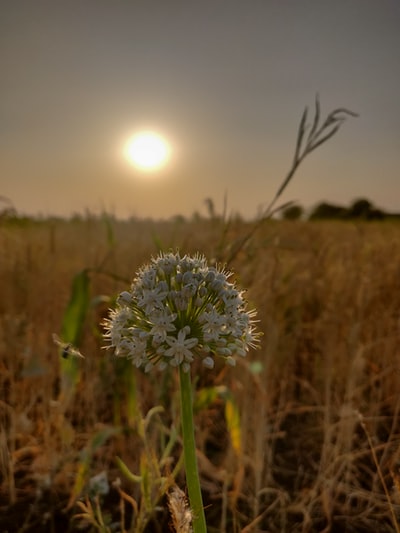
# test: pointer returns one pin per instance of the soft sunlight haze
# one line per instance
(224, 82)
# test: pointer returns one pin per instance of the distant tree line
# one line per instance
(360, 209)
(7, 209)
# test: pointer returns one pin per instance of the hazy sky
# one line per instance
(225, 81)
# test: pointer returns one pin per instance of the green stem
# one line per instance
(189, 450)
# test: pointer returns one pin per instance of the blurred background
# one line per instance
(225, 84)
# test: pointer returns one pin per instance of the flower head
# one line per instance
(179, 308)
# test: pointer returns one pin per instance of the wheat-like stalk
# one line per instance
(309, 137)
(180, 511)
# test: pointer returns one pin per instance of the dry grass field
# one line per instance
(303, 435)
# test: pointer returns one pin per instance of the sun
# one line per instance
(147, 151)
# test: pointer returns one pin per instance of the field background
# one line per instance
(303, 435)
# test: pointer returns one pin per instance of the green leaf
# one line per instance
(75, 313)
(71, 332)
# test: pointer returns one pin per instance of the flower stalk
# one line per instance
(189, 450)
(178, 310)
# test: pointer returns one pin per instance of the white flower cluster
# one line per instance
(179, 308)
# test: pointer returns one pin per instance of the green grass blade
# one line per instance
(75, 313)
(71, 332)
(98, 440)
(126, 472)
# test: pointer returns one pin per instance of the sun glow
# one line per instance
(147, 151)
